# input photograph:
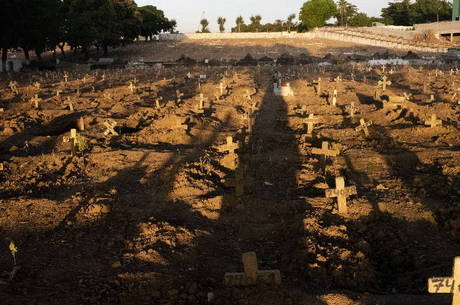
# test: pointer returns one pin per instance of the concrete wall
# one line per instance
(445, 27)
(200, 36)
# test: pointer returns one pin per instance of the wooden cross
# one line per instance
(230, 146)
(36, 100)
(302, 111)
(69, 102)
(157, 102)
(110, 128)
(132, 87)
(36, 85)
(179, 96)
(14, 87)
(364, 126)
(384, 83)
(352, 109)
(448, 284)
(252, 275)
(342, 193)
(66, 77)
(222, 87)
(311, 121)
(325, 151)
(334, 98)
(433, 122)
(317, 86)
(58, 92)
(432, 99)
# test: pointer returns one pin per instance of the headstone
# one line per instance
(252, 275)
(448, 284)
(341, 193)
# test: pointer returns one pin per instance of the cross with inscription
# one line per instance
(342, 193)
(252, 275)
(448, 284)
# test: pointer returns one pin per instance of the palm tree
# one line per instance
(346, 10)
(204, 25)
(221, 21)
(255, 22)
(239, 22)
(289, 22)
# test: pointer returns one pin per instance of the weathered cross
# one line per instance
(132, 87)
(311, 121)
(342, 193)
(179, 96)
(448, 284)
(252, 275)
(352, 109)
(364, 126)
(222, 87)
(110, 128)
(334, 98)
(69, 102)
(36, 100)
(433, 121)
(66, 77)
(37, 86)
(325, 150)
(58, 92)
(230, 146)
(384, 83)
(157, 102)
(302, 111)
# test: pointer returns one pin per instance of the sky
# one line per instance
(188, 13)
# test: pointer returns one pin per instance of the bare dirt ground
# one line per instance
(156, 214)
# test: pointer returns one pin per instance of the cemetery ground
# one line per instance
(147, 186)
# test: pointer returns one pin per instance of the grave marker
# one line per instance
(341, 193)
(433, 122)
(317, 86)
(448, 284)
(230, 146)
(364, 127)
(110, 125)
(302, 111)
(36, 101)
(14, 87)
(334, 98)
(252, 275)
(383, 83)
(311, 121)
(352, 109)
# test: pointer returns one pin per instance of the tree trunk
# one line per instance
(4, 58)
(97, 50)
(106, 50)
(26, 55)
(61, 47)
(39, 54)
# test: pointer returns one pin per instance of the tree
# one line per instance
(204, 25)
(345, 11)
(315, 13)
(221, 22)
(154, 21)
(239, 23)
(425, 11)
(289, 23)
(398, 13)
(255, 25)
(360, 19)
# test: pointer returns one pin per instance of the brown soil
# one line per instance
(151, 216)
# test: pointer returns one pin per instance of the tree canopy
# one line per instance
(315, 13)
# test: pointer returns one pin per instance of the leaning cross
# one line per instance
(311, 121)
(448, 284)
(352, 109)
(230, 146)
(364, 126)
(342, 193)
(384, 83)
(433, 122)
(110, 128)
(252, 275)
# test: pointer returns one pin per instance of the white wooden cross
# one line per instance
(384, 83)
(222, 87)
(132, 87)
(342, 193)
(230, 146)
(364, 126)
(110, 128)
(352, 109)
(58, 92)
(252, 275)
(66, 77)
(448, 284)
(433, 121)
(311, 121)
